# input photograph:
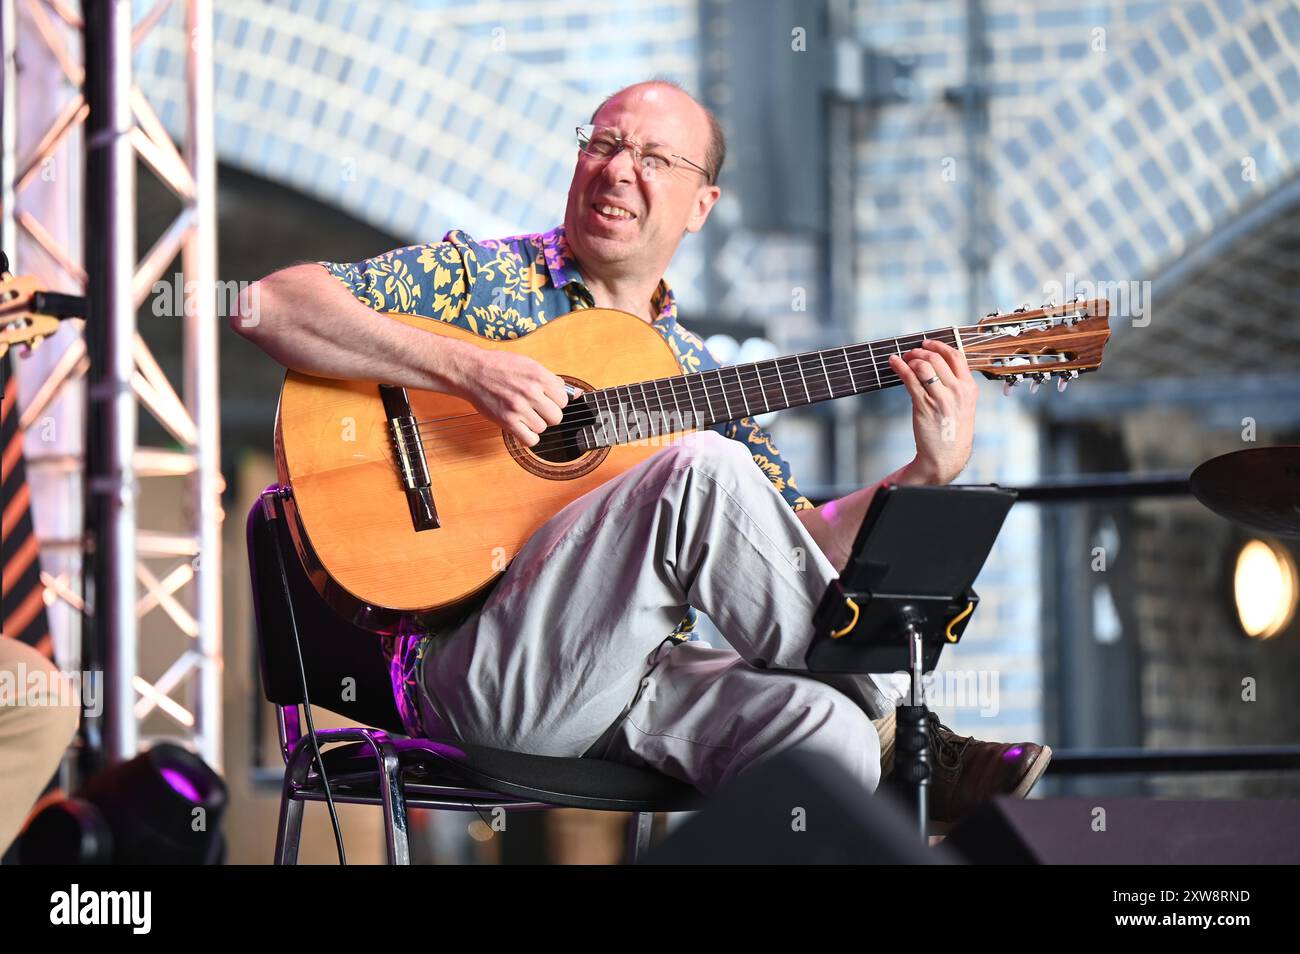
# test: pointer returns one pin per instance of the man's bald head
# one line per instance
(716, 153)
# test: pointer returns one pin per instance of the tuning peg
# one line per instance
(1009, 382)
(1035, 382)
(1063, 378)
(991, 314)
(30, 346)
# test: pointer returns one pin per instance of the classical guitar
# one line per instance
(411, 502)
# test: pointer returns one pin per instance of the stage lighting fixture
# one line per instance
(1264, 587)
(162, 807)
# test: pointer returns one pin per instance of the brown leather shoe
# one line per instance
(967, 772)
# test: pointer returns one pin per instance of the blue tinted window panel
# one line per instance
(1290, 140)
(1051, 255)
(1075, 234)
(1072, 172)
(1179, 155)
(1100, 214)
(1264, 42)
(1232, 173)
(1121, 80)
(1234, 118)
(1234, 57)
(1092, 95)
(1066, 114)
(1041, 134)
(1207, 76)
(1179, 95)
(1125, 133)
(1151, 113)
(1211, 199)
(1231, 10)
(1152, 177)
(1025, 276)
(1206, 137)
(1201, 21)
(1261, 98)
(1182, 217)
(1289, 80)
(1098, 152)
(1171, 36)
(1127, 195)
(1126, 253)
(1289, 20)
(1020, 215)
(1144, 55)
(1045, 194)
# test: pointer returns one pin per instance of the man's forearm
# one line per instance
(834, 525)
(307, 320)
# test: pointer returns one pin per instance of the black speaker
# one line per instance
(1130, 831)
(798, 807)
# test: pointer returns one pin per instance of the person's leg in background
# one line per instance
(37, 723)
(559, 649)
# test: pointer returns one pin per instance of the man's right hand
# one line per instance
(515, 392)
(309, 321)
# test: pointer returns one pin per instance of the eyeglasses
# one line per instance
(604, 142)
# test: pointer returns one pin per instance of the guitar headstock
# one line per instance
(19, 325)
(1061, 341)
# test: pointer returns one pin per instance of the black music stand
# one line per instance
(904, 594)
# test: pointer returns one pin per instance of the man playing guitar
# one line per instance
(567, 655)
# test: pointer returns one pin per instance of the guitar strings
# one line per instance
(857, 363)
(480, 423)
(840, 373)
(707, 391)
(488, 431)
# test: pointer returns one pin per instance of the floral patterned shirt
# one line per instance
(506, 288)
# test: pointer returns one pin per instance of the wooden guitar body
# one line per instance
(350, 516)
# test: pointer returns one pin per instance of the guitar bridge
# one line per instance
(413, 468)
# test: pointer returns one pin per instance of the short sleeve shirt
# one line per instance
(507, 288)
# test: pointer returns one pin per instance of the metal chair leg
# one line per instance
(638, 835)
(289, 833)
(397, 839)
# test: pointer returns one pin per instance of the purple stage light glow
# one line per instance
(182, 784)
(1013, 753)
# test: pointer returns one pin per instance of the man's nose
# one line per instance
(621, 167)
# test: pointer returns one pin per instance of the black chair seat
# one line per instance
(563, 782)
(302, 640)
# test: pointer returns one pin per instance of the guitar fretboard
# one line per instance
(647, 409)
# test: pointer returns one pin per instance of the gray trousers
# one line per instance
(568, 655)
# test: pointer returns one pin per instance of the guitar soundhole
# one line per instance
(562, 453)
(561, 443)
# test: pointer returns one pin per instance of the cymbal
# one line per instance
(1258, 488)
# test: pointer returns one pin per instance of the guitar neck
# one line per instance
(631, 412)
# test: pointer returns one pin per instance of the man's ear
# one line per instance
(704, 202)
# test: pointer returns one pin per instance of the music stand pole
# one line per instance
(898, 604)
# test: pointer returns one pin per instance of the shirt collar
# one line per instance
(563, 270)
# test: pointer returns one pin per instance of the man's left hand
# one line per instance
(943, 408)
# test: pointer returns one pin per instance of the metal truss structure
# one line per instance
(174, 575)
